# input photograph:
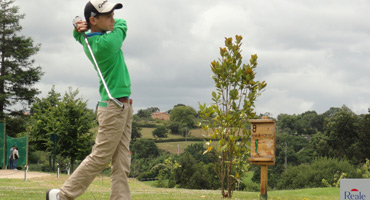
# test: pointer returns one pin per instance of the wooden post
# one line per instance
(28, 135)
(264, 182)
(263, 144)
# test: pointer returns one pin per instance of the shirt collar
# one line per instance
(93, 34)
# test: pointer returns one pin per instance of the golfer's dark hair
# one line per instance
(90, 11)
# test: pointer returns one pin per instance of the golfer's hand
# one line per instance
(81, 26)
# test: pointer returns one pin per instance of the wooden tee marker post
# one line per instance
(263, 148)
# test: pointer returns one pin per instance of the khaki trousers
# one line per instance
(112, 142)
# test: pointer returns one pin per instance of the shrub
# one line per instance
(364, 170)
(144, 149)
(166, 176)
(160, 132)
(194, 175)
(311, 175)
(35, 167)
(247, 183)
(196, 150)
(147, 168)
(174, 127)
(199, 179)
(249, 186)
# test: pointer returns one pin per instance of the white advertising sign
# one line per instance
(354, 189)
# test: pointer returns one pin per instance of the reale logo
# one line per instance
(354, 194)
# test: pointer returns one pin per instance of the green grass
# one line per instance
(35, 188)
(147, 134)
(172, 146)
(197, 133)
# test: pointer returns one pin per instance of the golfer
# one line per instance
(112, 141)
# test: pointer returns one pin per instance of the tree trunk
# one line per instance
(2, 82)
(50, 164)
(222, 175)
(229, 180)
(72, 165)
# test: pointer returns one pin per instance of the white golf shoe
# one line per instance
(52, 194)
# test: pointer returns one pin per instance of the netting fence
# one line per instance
(6, 143)
(2, 146)
(21, 144)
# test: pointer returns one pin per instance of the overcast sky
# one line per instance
(313, 54)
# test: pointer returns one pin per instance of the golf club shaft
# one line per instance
(100, 74)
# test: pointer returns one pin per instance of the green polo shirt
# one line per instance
(109, 56)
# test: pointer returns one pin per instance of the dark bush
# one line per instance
(195, 175)
(160, 132)
(174, 127)
(147, 168)
(142, 148)
(311, 175)
(197, 150)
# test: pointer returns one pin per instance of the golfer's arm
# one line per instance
(121, 25)
(120, 29)
(113, 41)
(78, 36)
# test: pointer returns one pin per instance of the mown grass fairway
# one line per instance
(197, 133)
(172, 146)
(147, 134)
(35, 188)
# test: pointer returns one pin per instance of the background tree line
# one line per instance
(338, 132)
(338, 144)
(315, 150)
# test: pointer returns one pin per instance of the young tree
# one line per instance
(17, 73)
(342, 133)
(42, 124)
(184, 115)
(160, 132)
(143, 148)
(364, 139)
(233, 105)
(136, 131)
(68, 118)
(75, 120)
(175, 127)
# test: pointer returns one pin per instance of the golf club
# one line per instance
(119, 104)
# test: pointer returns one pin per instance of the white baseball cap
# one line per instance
(96, 7)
